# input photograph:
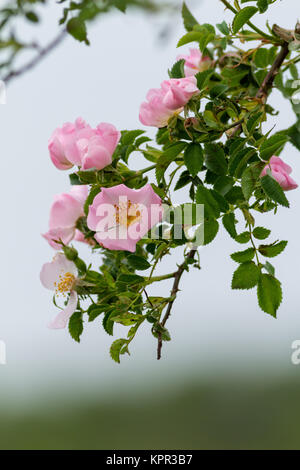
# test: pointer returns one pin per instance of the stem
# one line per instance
(177, 275)
(140, 172)
(160, 278)
(267, 84)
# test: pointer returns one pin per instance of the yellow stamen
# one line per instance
(65, 283)
(127, 213)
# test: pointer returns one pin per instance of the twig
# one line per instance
(35, 61)
(267, 84)
(175, 289)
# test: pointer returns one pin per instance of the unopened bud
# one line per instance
(70, 253)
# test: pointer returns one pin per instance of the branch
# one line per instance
(175, 289)
(36, 60)
(269, 79)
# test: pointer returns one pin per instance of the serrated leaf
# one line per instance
(250, 177)
(223, 28)
(246, 276)
(242, 17)
(177, 71)
(211, 207)
(270, 251)
(261, 233)
(189, 20)
(76, 326)
(115, 349)
(223, 184)
(269, 294)
(191, 36)
(108, 324)
(215, 159)
(229, 224)
(211, 228)
(273, 146)
(243, 256)
(138, 262)
(193, 158)
(203, 77)
(270, 268)
(127, 319)
(262, 5)
(168, 156)
(243, 237)
(274, 191)
(130, 278)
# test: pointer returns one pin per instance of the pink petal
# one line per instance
(61, 320)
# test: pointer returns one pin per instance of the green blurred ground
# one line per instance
(224, 415)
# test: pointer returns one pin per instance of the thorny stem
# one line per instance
(175, 289)
(267, 84)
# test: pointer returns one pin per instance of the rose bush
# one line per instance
(213, 139)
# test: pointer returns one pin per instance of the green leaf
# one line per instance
(130, 278)
(76, 326)
(191, 36)
(273, 146)
(223, 184)
(270, 251)
(94, 311)
(250, 178)
(203, 77)
(193, 158)
(223, 28)
(127, 319)
(31, 16)
(108, 324)
(246, 276)
(261, 58)
(211, 228)
(261, 233)
(242, 17)
(116, 349)
(211, 207)
(210, 119)
(215, 159)
(269, 294)
(167, 158)
(229, 224)
(270, 268)
(274, 191)
(128, 137)
(177, 71)
(262, 5)
(243, 237)
(138, 262)
(243, 256)
(76, 27)
(188, 19)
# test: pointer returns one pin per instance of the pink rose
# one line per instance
(79, 144)
(60, 276)
(121, 216)
(195, 62)
(281, 173)
(66, 209)
(163, 102)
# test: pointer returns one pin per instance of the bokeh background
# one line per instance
(226, 379)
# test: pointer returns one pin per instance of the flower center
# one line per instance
(127, 213)
(64, 284)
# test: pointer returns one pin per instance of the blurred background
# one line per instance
(226, 379)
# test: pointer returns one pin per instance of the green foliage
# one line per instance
(243, 256)
(246, 276)
(242, 17)
(261, 233)
(269, 294)
(270, 251)
(273, 190)
(193, 158)
(76, 326)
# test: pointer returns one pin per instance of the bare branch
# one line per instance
(37, 59)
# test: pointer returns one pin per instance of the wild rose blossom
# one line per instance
(60, 276)
(195, 62)
(281, 173)
(66, 209)
(121, 216)
(79, 144)
(164, 102)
